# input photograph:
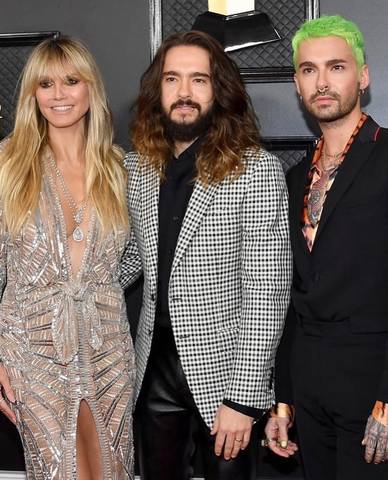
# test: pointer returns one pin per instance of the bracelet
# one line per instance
(283, 410)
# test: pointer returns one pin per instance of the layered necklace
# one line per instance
(331, 161)
(77, 212)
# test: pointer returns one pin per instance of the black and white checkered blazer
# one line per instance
(229, 284)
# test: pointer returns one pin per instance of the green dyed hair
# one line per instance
(327, 26)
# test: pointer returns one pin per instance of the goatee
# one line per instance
(186, 132)
(344, 105)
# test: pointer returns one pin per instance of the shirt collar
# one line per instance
(192, 150)
(319, 147)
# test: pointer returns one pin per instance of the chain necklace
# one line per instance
(325, 165)
(76, 212)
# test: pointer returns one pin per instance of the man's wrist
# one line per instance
(255, 413)
(380, 412)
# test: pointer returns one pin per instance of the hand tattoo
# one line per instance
(376, 441)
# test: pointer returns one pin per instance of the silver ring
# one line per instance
(266, 441)
(323, 89)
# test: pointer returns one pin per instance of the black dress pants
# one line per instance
(335, 375)
(169, 428)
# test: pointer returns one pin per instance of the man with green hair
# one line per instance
(332, 362)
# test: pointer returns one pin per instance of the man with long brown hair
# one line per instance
(209, 213)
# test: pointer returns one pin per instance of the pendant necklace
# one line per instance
(76, 212)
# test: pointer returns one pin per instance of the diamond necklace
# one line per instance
(76, 212)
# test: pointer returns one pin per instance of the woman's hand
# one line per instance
(9, 394)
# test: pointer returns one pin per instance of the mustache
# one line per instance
(185, 103)
(324, 94)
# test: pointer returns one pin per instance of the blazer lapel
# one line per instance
(198, 204)
(296, 192)
(149, 216)
(356, 157)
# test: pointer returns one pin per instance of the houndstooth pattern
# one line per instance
(229, 284)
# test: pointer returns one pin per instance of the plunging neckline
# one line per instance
(63, 230)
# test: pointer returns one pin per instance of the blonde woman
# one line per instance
(67, 364)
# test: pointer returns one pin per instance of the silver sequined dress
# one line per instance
(64, 338)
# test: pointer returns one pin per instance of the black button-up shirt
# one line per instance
(174, 195)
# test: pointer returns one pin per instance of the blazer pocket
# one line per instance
(224, 211)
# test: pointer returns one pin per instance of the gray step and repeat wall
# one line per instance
(123, 36)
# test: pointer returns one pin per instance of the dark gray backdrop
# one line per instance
(117, 32)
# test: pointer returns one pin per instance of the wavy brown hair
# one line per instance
(233, 128)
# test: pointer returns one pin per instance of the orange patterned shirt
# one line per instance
(318, 185)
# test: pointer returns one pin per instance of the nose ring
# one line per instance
(323, 89)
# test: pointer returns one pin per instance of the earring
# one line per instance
(361, 92)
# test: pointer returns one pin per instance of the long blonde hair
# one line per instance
(20, 159)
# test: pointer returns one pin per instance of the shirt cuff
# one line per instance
(255, 413)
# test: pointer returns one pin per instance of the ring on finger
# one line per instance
(266, 441)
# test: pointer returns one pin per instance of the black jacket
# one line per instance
(345, 277)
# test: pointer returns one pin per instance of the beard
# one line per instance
(186, 132)
(342, 107)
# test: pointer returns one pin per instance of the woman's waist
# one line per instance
(77, 289)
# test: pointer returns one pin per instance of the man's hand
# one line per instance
(276, 432)
(232, 430)
(376, 434)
